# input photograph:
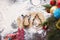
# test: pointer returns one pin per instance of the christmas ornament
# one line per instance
(58, 24)
(53, 8)
(45, 27)
(58, 3)
(52, 2)
(57, 13)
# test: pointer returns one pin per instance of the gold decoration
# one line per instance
(52, 9)
(58, 24)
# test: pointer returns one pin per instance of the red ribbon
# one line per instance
(20, 34)
(17, 36)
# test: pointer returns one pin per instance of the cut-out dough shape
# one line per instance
(19, 22)
(26, 20)
(41, 16)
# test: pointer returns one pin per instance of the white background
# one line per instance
(9, 11)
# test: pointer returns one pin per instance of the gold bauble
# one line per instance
(52, 9)
(58, 24)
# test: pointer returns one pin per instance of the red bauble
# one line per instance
(58, 3)
(52, 3)
(45, 27)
